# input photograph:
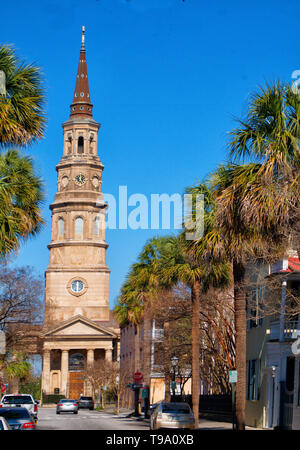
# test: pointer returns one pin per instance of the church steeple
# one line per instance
(81, 105)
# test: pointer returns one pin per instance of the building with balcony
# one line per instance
(273, 353)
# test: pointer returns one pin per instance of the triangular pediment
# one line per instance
(80, 326)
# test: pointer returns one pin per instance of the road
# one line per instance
(86, 420)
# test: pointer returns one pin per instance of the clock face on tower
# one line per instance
(80, 179)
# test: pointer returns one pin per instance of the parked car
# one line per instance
(21, 400)
(18, 418)
(4, 425)
(67, 405)
(172, 415)
(86, 402)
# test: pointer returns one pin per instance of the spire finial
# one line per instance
(82, 37)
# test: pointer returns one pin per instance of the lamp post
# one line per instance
(174, 362)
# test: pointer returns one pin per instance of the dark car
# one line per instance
(18, 418)
(86, 402)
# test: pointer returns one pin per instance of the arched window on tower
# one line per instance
(61, 227)
(96, 226)
(79, 227)
(80, 148)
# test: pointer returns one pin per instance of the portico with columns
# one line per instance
(79, 328)
(70, 349)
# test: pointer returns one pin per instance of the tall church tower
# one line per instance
(77, 278)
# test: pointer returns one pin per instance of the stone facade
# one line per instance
(77, 316)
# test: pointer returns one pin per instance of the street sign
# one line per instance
(232, 376)
(145, 393)
(134, 387)
(138, 376)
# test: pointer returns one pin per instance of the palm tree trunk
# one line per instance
(240, 341)
(195, 350)
(147, 344)
(167, 362)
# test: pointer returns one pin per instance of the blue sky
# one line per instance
(167, 78)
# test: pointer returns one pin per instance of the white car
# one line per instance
(23, 400)
(3, 424)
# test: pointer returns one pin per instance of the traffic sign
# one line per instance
(232, 376)
(138, 376)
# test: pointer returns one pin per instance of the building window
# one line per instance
(79, 226)
(61, 227)
(80, 145)
(96, 226)
(76, 362)
(253, 377)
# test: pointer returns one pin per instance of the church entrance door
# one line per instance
(75, 385)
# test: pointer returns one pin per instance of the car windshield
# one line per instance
(176, 408)
(15, 413)
(67, 401)
(17, 400)
(86, 398)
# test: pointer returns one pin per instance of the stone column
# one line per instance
(64, 371)
(108, 354)
(90, 363)
(46, 372)
(90, 357)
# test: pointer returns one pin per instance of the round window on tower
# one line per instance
(77, 286)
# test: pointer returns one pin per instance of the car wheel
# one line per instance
(57, 412)
(75, 412)
(91, 409)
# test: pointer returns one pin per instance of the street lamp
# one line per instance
(174, 362)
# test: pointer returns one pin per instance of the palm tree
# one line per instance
(189, 262)
(21, 196)
(258, 202)
(137, 295)
(269, 136)
(22, 122)
(22, 119)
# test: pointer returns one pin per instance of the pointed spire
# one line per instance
(81, 105)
